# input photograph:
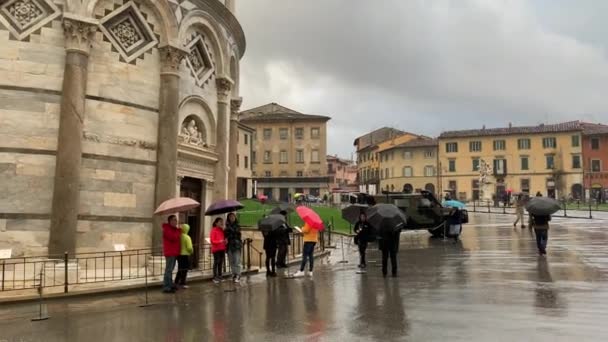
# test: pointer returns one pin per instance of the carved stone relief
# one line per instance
(192, 134)
(23, 17)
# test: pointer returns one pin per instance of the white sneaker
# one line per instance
(298, 274)
(237, 280)
(310, 274)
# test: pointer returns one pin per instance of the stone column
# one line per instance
(235, 105)
(166, 154)
(224, 84)
(79, 34)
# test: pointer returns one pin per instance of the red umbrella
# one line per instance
(310, 217)
(176, 205)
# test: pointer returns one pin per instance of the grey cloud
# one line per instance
(424, 66)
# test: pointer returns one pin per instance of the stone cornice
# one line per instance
(227, 19)
(79, 32)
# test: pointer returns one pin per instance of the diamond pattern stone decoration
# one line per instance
(22, 17)
(200, 62)
(128, 31)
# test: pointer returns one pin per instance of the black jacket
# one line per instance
(270, 241)
(363, 231)
(389, 241)
(233, 235)
(283, 235)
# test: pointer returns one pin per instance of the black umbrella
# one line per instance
(542, 206)
(223, 207)
(286, 207)
(271, 223)
(352, 212)
(386, 217)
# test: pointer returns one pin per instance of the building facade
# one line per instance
(410, 166)
(544, 158)
(595, 161)
(244, 173)
(289, 150)
(342, 174)
(368, 161)
(108, 108)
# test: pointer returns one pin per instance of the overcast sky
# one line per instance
(426, 66)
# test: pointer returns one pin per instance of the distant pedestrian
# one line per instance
(541, 230)
(520, 203)
(218, 248)
(389, 245)
(283, 243)
(364, 233)
(539, 194)
(454, 223)
(235, 246)
(183, 260)
(310, 238)
(270, 247)
(171, 250)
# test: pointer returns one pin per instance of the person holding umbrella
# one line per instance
(310, 235)
(171, 250)
(283, 242)
(364, 234)
(270, 247)
(235, 245)
(541, 209)
(218, 248)
(388, 220)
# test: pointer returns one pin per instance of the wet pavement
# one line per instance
(490, 286)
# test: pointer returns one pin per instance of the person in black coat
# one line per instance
(364, 233)
(270, 247)
(389, 245)
(283, 242)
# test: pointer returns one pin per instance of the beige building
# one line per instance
(289, 150)
(544, 158)
(108, 108)
(244, 180)
(410, 166)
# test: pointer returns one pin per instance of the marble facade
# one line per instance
(105, 105)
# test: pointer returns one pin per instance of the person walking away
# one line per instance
(389, 245)
(270, 247)
(310, 237)
(364, 233)
(519, 211)
(171, 250)
(235, 246)
(541, 230)
(183, 260)
(454, 223)
(283, 242)
(218, 248)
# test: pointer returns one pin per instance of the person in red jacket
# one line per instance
(218, 248)
(171, 250)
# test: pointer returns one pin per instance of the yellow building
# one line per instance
(289, 150)
(368, 160)
(244, 182)
(543, 158)
(410, 166)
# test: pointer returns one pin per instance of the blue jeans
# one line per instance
(542, 236)
(307, 253)
(168, 278)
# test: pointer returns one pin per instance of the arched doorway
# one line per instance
(408, 188)
(577, 191)
(430, 187)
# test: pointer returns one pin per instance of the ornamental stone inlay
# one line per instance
(128, 32)
(199, 60)
(22, 17)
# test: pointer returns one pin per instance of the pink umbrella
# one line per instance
(310, 217)
(176, 205)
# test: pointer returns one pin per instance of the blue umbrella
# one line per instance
(454, 204)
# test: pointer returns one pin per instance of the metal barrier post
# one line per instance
(249, 253)
(120, 267)
(343, 261)
(40, 317)
(474, 208)
(488, 207)
(3, 262)
(145, 284)
(590, 215)
(565, 209)
(65, 271)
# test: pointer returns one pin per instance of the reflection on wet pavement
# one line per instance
(489, 286)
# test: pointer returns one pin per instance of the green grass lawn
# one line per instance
(254, 211)
(585, 206)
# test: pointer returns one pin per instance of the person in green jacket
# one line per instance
(183, 260)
